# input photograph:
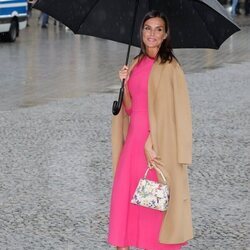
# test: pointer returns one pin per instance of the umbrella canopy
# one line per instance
(193, 23)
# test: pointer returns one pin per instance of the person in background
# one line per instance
(29, 12)
(59, 23)
(45, 20)
(247, 7)
(234, 6)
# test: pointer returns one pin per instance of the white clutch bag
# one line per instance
(152, 194)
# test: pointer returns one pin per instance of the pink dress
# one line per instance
(133, 225)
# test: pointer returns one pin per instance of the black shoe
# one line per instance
(44, 27)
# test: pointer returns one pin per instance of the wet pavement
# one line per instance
(45, 65)
(55, 156)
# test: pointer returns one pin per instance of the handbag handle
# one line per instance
(158, 170)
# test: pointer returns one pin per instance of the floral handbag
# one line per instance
(152, 194)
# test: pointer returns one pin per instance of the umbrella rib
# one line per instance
(214, 5)
(217, 43)
(87, 14)
(204, 23)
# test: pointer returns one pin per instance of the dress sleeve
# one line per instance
(183, 118)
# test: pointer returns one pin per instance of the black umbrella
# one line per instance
(193, 23)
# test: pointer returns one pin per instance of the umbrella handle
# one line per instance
(118, 104)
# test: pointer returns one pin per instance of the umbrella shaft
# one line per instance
(132, 30)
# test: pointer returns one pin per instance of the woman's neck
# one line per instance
(152, 52)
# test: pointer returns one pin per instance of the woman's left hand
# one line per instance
(149, 151)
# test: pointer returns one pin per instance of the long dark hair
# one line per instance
(166, 51)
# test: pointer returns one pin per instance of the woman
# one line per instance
(153, 127)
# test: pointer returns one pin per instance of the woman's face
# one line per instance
(153, 33)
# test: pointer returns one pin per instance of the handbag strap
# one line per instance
(158, 170)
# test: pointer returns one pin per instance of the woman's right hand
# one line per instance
(123, 73)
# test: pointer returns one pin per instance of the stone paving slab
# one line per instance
(55, 176)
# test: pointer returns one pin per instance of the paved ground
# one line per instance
(55, 176)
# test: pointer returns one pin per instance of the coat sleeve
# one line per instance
(183, 118)
(119, 132)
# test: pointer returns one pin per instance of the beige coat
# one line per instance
(171, 133)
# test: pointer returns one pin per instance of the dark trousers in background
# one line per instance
(237, 8)
(247, 7)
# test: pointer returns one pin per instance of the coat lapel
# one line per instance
(154, 80)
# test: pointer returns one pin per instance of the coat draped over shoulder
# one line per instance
(171, 134)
